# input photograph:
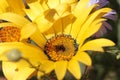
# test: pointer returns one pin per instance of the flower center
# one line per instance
(9, 34)
(60, 47)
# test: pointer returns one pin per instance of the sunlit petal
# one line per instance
(96, 45)
(93, 28)
(16, 6)
(26, 72)
(3, 6)
(11, 69)
(74, 68)
(35, 9)
(46, 20)
(47, 66)
(83, 57)
(53, 3)
(39, 38)
(11, 17)
(81, 18)
(60, 69)
(8, 24)
(27, 31)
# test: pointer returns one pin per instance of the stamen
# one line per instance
(9, 34)
(61, 47)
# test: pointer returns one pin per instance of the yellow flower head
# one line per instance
(15, 28)
(63, 28)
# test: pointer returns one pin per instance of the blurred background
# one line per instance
(106, 66)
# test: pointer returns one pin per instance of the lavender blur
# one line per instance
(111, 16)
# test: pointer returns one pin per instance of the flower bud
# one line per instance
(13, 55)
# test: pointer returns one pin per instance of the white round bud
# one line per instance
(14, 55)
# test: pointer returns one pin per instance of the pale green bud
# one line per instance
(14, 55)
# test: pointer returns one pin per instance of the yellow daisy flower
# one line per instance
(61, 37)
(14, 29)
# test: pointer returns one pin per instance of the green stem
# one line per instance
(85, 75)
(36, 67)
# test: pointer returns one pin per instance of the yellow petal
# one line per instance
(10, 69)
(14, 18)
(57, 26)
(63, 9)
(16, 6)
(60, 69)
(35, 10)
(53, 3)
(96, 45)
(3, 6)
(83, 57)
(31, 1)
(92, 29)
(39, 38)
(71, 2)
(46, 20)
(50, 33)
(47, 66)
(80, 19)
(67, 23)
(44, 4)
(24, 73)
(39, 74)
(62, 25)
(8, 24)
(94, 16)
(68, 1)
(74, 68)
(27, 31)
(81, 5)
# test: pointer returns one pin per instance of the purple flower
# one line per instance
(103, 29)
(111, 16)
(101, 3)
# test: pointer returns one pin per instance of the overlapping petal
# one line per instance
(15, 6)
(48, 66)
(81, 18)
(83, 57)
